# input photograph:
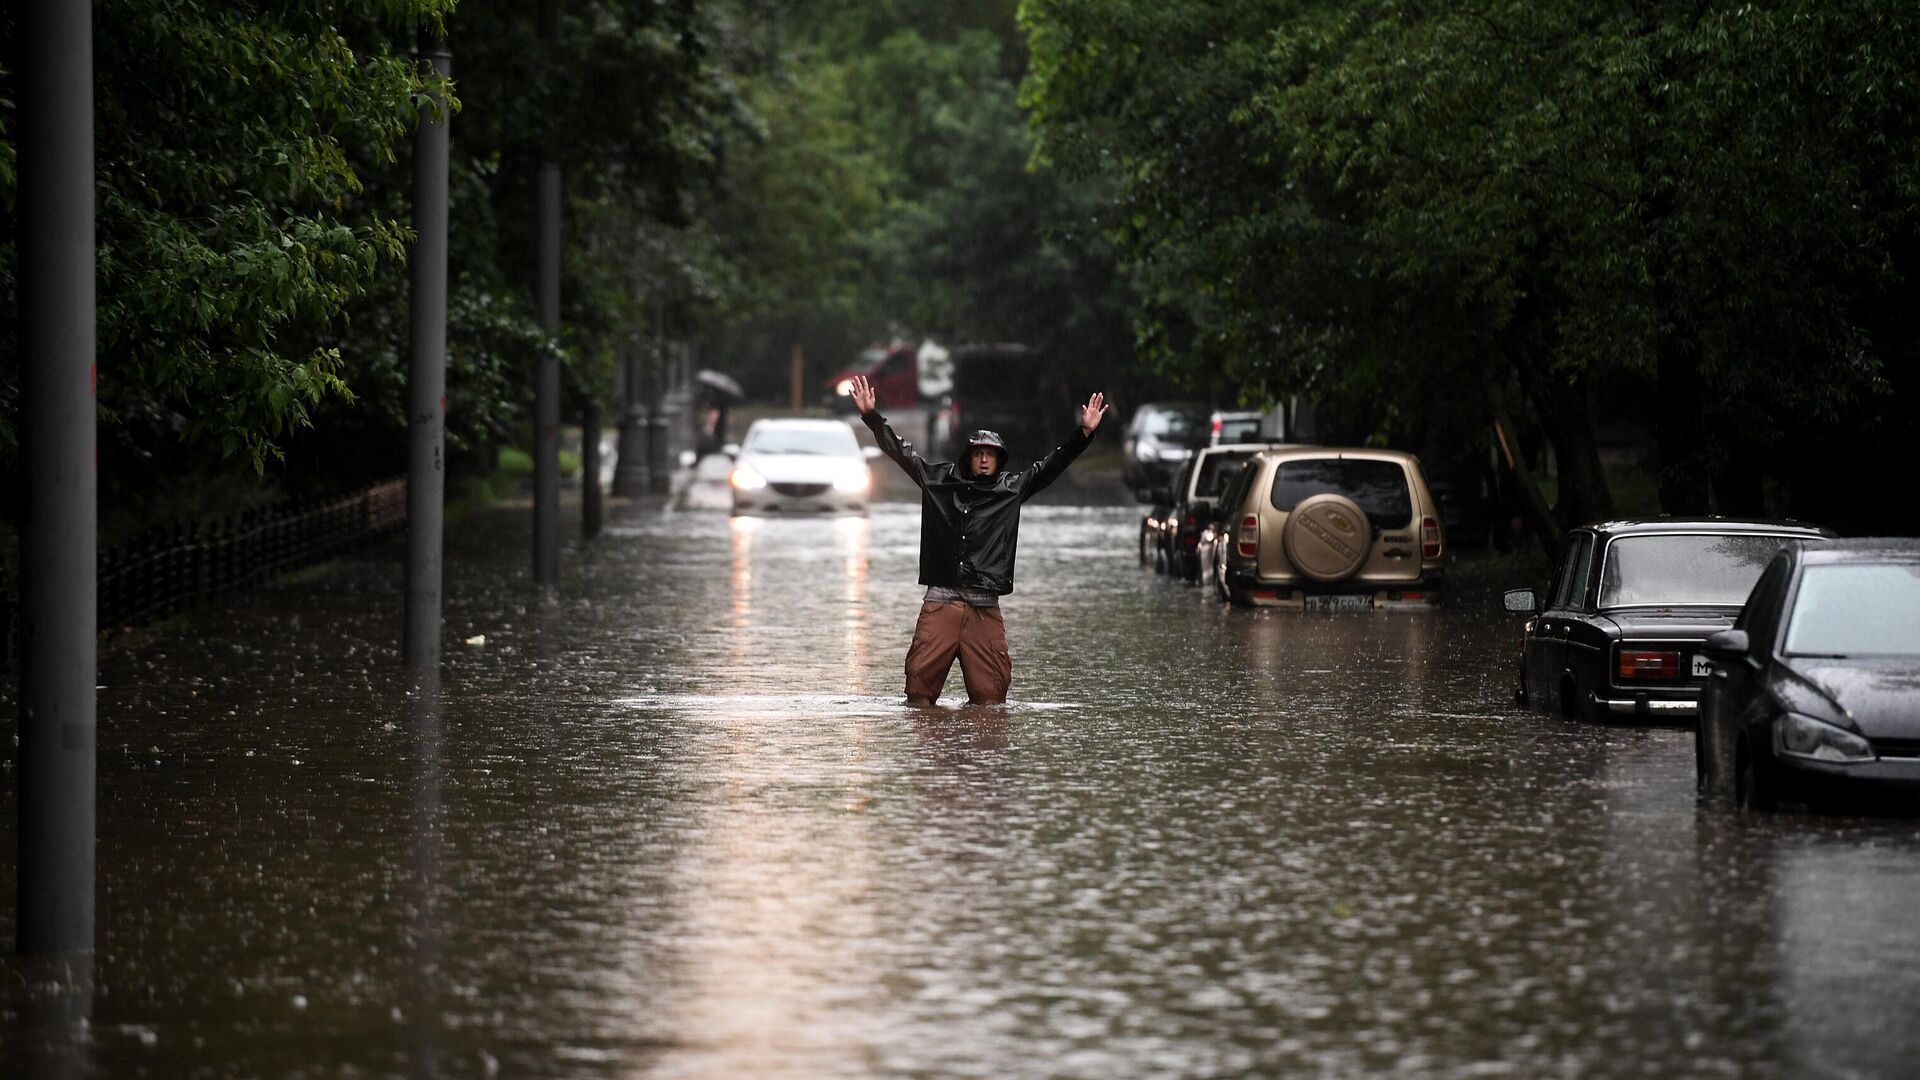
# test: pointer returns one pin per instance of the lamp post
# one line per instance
(58, 540)
(546, 396)
(427, 371)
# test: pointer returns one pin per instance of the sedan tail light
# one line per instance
(1648, 664)
(1248, 539)
(1429, 538)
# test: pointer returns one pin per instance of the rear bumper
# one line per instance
(1248, 587)
(1643, 705)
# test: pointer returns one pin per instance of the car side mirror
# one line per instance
(870, 452)
(1521, 600)
(1727, 645)
(732, 449)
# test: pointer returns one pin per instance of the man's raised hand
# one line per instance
(862, 394)
(1091, 415)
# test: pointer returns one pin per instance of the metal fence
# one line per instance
(166, 571)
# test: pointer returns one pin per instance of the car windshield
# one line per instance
(1684, 570)
(807, 440)
(1170, 425)
(1217, 471)
(1857, 611)
(1378, 487)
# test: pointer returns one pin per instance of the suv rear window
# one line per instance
(1233, 429)
(1217, 470)
(1378, 487)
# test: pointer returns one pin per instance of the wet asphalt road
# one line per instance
(677, 824)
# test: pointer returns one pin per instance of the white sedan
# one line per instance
(803, 465)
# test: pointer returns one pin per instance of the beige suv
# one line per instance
(1329, 529)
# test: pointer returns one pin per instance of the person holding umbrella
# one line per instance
(969, 531)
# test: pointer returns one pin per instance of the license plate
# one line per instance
(1347, 602)
(1702, 667)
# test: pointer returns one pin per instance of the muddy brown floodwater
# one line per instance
(676, 824)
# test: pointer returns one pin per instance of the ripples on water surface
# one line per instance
(677, 824)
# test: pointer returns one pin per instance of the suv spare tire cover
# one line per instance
(1326, 538)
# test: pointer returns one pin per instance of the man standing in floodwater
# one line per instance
(969, 528)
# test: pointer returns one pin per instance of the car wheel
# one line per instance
(1146, 558)
(1753, 783)
(1160, 561)
(1220, 583)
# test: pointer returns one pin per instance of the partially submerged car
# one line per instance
(1170, 532)
(1619, 632)
(1815, 690)
(789, 465)
(1329, 529)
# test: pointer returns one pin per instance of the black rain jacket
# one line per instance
(970, 528)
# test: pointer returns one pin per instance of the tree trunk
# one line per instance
(1566, 415)
(1679, 433)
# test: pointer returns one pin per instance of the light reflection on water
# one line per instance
(679, 824)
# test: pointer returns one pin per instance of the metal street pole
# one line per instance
(590, 505)
(546, 398)
(58, 540)
(629, 463)
(427, 373)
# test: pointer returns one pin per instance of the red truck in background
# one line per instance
(903, 376)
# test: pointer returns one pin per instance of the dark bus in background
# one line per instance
(1011, 389)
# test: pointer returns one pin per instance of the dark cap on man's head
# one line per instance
(990, 439)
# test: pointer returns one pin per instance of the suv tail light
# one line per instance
(1648, 664)
(1218, 426)
(1429, 538)
(1248, 538)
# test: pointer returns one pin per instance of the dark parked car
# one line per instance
(1816, 688)
(1620, 631)
(1170, 533)
(1160, 438)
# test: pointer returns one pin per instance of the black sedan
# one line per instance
(1620, 631)
(1816, 688)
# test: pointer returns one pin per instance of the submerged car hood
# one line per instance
(1880, 697)
(1683, 623)
(803, 468)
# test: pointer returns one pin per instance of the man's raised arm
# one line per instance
(864, 399)
(1048, 469)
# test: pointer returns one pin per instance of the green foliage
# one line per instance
(232, 141)
(1416, 210)
(885, 192)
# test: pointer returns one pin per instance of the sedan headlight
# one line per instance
(854, 480)
(844, 388)
(747, 480)
(1803, 736)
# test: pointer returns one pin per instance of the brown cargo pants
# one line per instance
(975, 635)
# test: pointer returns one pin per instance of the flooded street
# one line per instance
(678, 824)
